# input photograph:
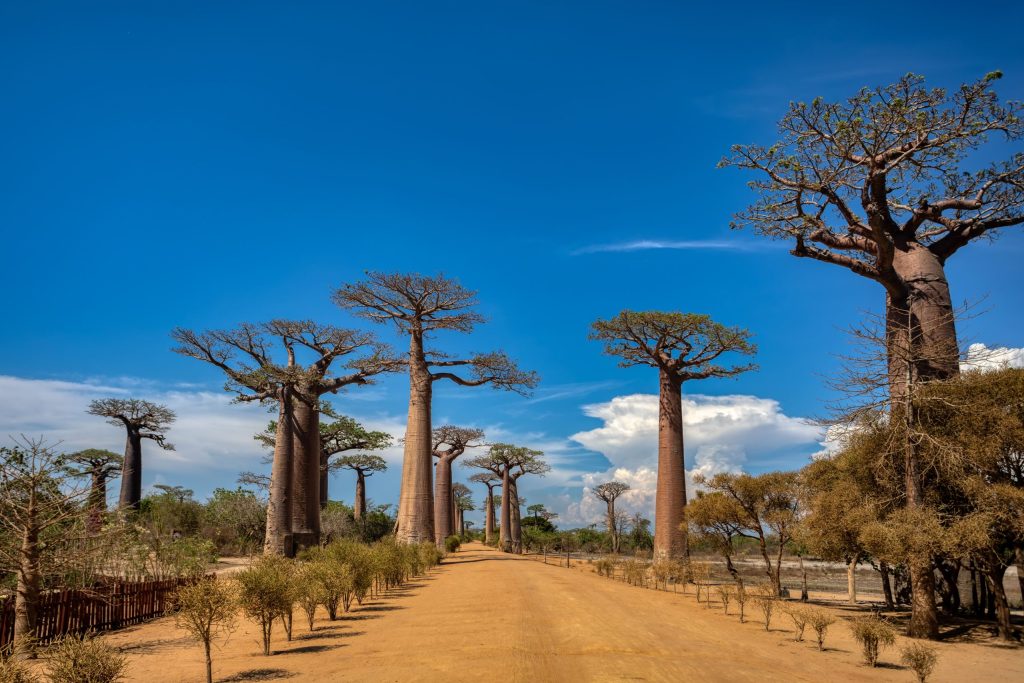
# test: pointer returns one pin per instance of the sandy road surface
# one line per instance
(488, 616)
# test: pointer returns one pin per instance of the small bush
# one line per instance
(799, 615)
(309, 593)
(766, 601)
(921, 658)
(700, 574)
(819, 620)
(874, 635)
(725, 593)
(89, 660)
(266, 592)
(605, 566)
(452, 544)
(13, 671)
(742, 598)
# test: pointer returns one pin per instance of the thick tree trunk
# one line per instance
(131, 472)
(97, 501)
(922, 346)
(883, 569)
(489, 516)
(359, 509)
(279, 511)
(416, 502)
(994, 578)
(443, 520)
(26, 596)
(611, 527)
(505, 533)
(1019, 561)
(670, 536)
(803, 581)
(460, 528)
(851, 582)
(305, 472)
(516, 527)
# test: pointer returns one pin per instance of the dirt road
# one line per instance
(488, 616)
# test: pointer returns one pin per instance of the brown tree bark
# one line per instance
(883, 569)
(26, 597)
(97, 500)
(516, 526)
(324, 480)
(444, 502)
(1019, 561)
(994, 579)
(415, 521)
(670, 536)
(305, 508)
(279, 505)
(612, 530)
(489, 515)
(505, 532)
(359, 509)
(131, 472)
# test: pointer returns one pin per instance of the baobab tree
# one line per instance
(254, 374)
(509, 462)
(141, 420)
(364, 465)
(490, 480)
(609, 492)
(340, 435)
(878, 185)
(463, 499)
(449, 442)
(420, 306)
(100, 466)
(683, 347)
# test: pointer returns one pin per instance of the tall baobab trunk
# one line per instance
(131, 472)
(505, 533)
(612, 530)
(670, 536)
(444, 502)
(305, 472)
(516, 528)
(416, 505)
(279, 505)
(97, 501)
(460, 527)
(922, 345)
(489, 517)
(359, 509)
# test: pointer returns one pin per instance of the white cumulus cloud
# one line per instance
(981, 357)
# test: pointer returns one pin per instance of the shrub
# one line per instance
(742, 598)
(89, 660)
(921, 658)
(820, 620)
(13, 671)
(266, 592)
(634, 572)
(874, 635)
(205, 609)
(700, 574)
(766, 601)
(798, 613)
(309, 593)
(679, 573)
(605, 566)
(661, 571)
(725, 593)
(452, 544)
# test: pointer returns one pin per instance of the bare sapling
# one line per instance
(799, 615)
(265, 593)
(206, 609)
(742, 597)
(766, 601)
(820, 620)
(725, 593)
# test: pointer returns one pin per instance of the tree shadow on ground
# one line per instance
(258, 675)
(380, 608)
(327, 635)
(150, 646)
(305, 649)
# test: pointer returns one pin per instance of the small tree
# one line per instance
(310, 592)
(874, 635)
(100, 466)
(798, 613)
(141, 420)
(742, 598)
(725, 593)
(609, 492)
(206, 609)
(766, 601)
(266, 592)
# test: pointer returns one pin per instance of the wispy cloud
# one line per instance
(645, 245)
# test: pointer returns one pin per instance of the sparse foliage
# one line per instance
(206, 609)
(921, 659)
(874, 635)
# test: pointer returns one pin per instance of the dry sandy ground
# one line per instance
(493, 617)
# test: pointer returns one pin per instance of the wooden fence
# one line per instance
(105, 607)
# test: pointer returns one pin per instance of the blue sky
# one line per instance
(201, 164)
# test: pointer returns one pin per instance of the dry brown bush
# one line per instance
(921, 658)
(86, 660)
(874, 635)
(820, 620)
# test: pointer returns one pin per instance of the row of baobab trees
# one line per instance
(880, 185)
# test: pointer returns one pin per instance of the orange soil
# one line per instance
(484, 615)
